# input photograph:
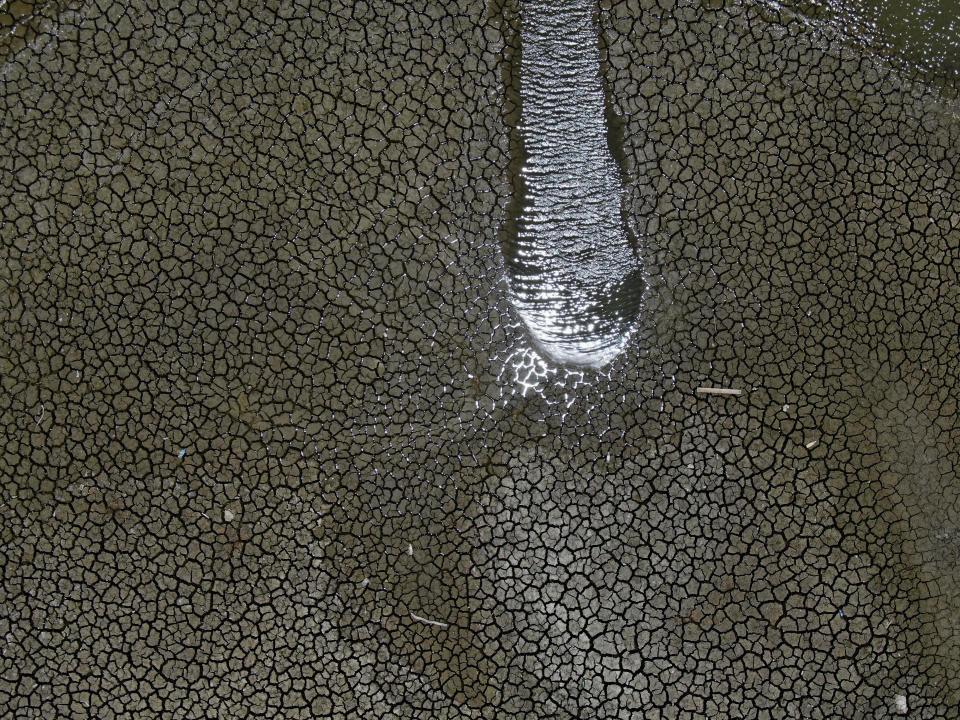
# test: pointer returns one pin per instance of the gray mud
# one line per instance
(275, 443)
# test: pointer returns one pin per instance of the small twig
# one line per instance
(719, 391)
(811, 445)
(428, 622)
(42, 411)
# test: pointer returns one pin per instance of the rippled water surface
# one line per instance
(573, 267)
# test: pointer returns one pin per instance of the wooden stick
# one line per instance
(428, 622)
(719, 391)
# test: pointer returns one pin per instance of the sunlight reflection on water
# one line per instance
(922, 34)
(572, 271)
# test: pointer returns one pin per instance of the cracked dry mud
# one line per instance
(274, 445)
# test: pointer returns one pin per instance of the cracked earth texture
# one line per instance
(274, 444)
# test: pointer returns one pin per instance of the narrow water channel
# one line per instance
(573, 265)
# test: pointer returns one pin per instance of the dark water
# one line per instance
(919, 36)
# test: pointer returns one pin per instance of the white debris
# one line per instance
(812, 444)
(719, 391)
(409, 549)
(900, 704)
(428, 622)
(228, 516)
